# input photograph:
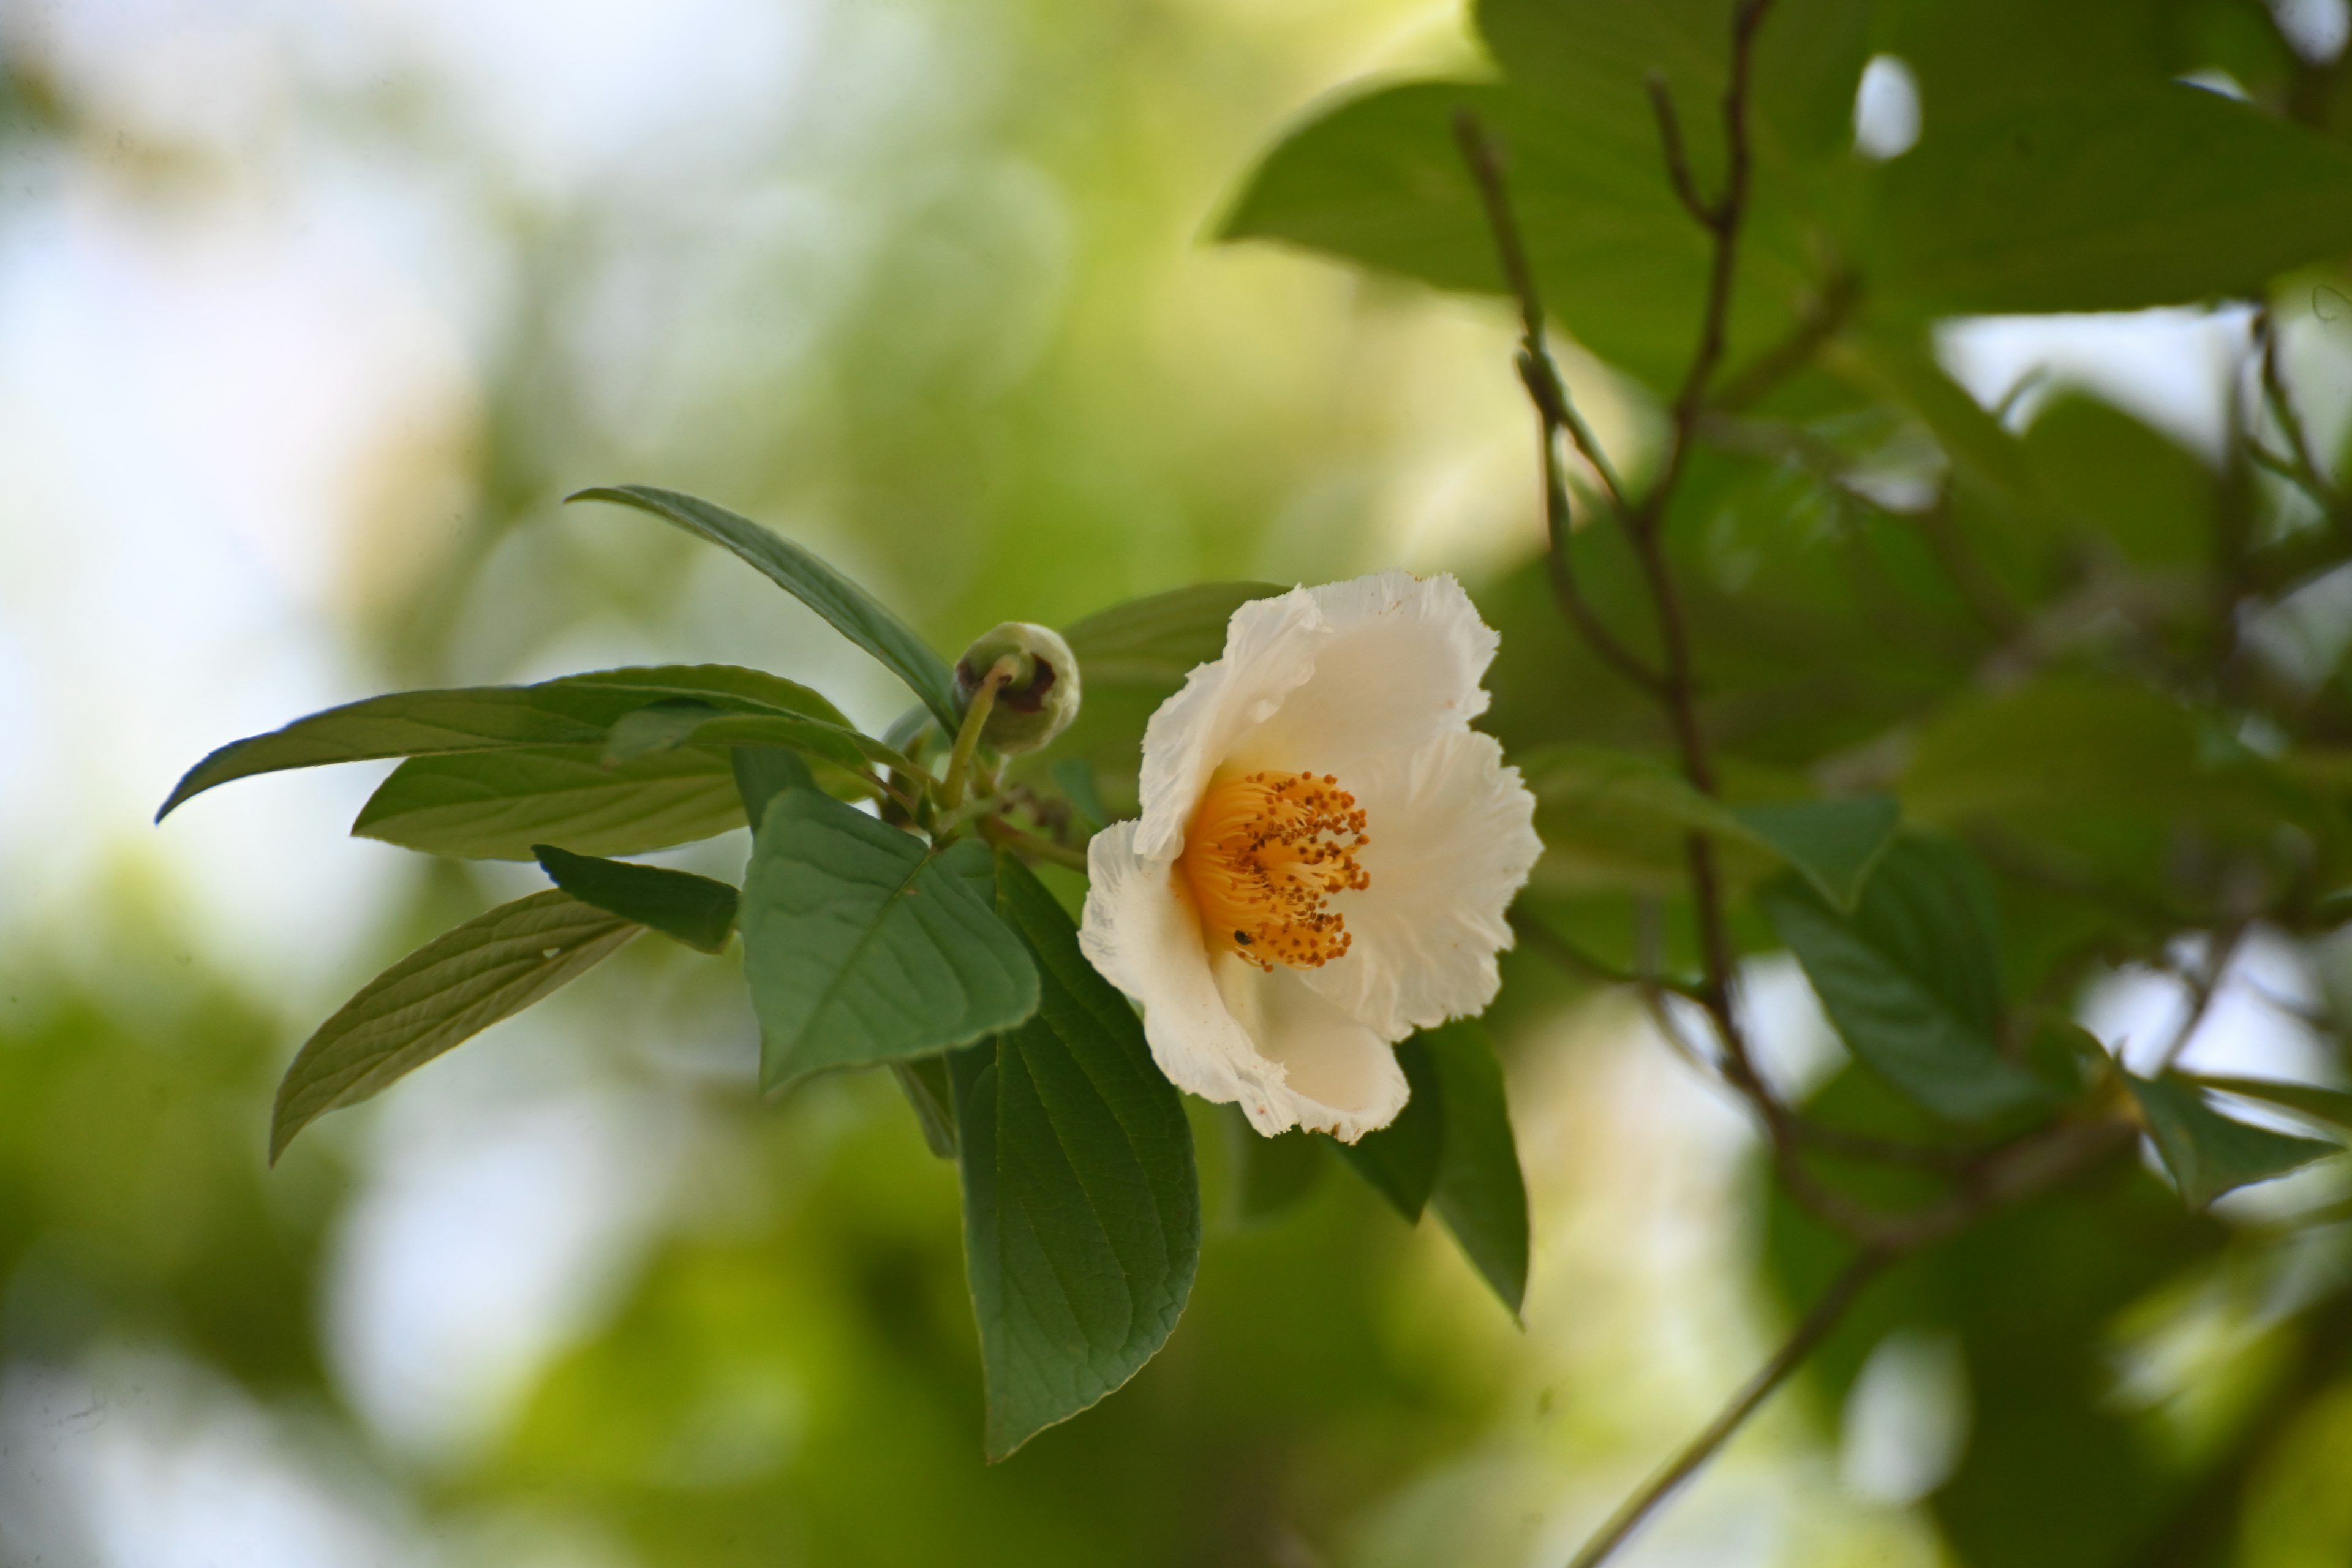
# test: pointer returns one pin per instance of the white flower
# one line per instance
(1325, 852)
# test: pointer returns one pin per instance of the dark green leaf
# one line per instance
(2106, 199)
(494, 805)
(764, 773)
(854, 612)
(1480, 1194)
(1400, 1160)
(1269, 1175)
(862, 948)
(578, 710)
(929, 1088)
(1836, 843)
(696, 910)
(2332, 1105)
(2207, 1152)
(453, 987)
(1911, 978)
(1082, 1213)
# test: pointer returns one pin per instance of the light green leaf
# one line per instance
(862, 947)
(2103, 199)
(764, 773)
(2207, 1152)
(577, 709)
(1836, 843)
(854, 612)
(1400, 1161)
(1082, 1211)
(494, 805)
(1481, 1194)
(1911, 978)
(452, 988)
(696, 910)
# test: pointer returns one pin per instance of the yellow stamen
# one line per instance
(1264, 855)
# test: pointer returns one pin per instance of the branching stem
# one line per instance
(967, 741)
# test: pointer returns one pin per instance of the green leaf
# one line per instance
(1481, 1194)
(494, 805)
(764, 773)
(2103, 199)
(1075, 778)
(854, 612)
(861, 947)
(2332, 1105)
(1270, 1177)
(1157, 640)
(1082, 1211)
(452, 988)
(696, 910)
(1400, 1160)
(1604, 810)
(929, 1088)
(577, 709)
(1836, 843)
(1379, 179)
(2207, 1152)
(1911, 978)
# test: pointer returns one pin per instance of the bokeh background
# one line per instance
(309, 314)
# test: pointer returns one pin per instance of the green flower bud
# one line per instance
(1040, 700)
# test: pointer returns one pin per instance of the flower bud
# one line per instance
(1041, 698)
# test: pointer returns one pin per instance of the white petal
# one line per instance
(1270, 649)
(1452, 840)
(1227, 1031)
(1400, 664)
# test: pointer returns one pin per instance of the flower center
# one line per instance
(1264, 855)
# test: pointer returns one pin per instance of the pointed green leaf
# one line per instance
(1911, 978)
(1159, 639)
(929, 1089)
(854, 612)
(1270, 1177)
(2207, 1152)
(862, 948)
(696, 910)
(453, 987)
(2332, 1105)
(1480, 1193)
(1082, 1211)
(494, 805)
(1836, 843)
(577, 709)
(1400, 1160)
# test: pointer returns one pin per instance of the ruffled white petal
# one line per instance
(1270, 649)
(1454, 839)
(1226, 1031)
(1400, 664)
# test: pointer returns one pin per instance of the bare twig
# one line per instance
(2203, 983)
(1826, 1316)
(1678, 169)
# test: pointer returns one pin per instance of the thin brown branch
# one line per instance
(1678, 169)
(2203, 983)
(1823, 320)
(1826, 1316)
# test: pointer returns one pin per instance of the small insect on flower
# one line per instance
(1325, 855)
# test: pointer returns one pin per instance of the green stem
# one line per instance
(967, 741)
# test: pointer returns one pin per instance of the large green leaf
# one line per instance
(1082, 1212)
(1400, 1160)
(1267, 1177)
(494, 805)
(1380, 179)
(862, 947)
(453, 987)
(854, 613)
(669, 725)
(1481, 1194)
(1602, 810)
(2103, 199)
(696, 910)
(577, 709)
(1911, 978)
(2209, 1154)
